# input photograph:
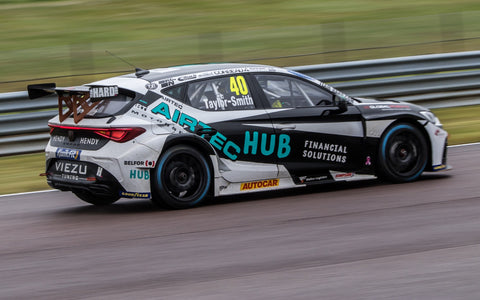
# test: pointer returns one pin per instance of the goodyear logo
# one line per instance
(135, 195)
(68, 154)
(259, 184)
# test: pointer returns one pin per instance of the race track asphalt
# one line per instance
(365, 240)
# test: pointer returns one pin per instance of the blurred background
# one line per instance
(67, 41)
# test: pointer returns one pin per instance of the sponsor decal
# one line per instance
(368, 161)
(328, 152)
(140, 174)
(221, 104)
(186, 77)
(439, 167)
(252, 142)
(231, 71)
(126, 194)
(151, 86)
(103, 92)
(259, 184)
(74, 141)
(388, 106)
(140, 163)
(304, 179)
(99, 172)
(344, 175)
(70, 167)
(166, 83)
(58, 138)
(88, 141)
(68, 153)
(70, 177)
(140, 106)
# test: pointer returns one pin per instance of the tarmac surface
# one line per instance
(363, 240)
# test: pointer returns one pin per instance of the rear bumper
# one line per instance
(76, 176)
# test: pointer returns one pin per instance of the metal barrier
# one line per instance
(437, 80)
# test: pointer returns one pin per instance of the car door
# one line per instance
(237, 125)
(317, 135)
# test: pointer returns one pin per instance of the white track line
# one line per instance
(47, 191)
(27, 193)
(462, 145)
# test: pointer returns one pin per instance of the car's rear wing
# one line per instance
(77, 100)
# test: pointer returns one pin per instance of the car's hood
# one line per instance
(380, 109)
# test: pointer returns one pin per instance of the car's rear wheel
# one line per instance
(403, 153)
(182, 178)
(96, 200)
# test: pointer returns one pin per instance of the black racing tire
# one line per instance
(96, 200)
(403, 153)
(182, 178)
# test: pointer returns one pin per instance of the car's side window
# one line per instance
(284, 92)
(223, 93)
(176, 92)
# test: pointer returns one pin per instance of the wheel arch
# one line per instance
(199, 144)
(410, 122)
(421, 128)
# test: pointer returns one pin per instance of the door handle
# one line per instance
(285, 126)
(206, 131)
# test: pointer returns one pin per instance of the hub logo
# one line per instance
(68, 154)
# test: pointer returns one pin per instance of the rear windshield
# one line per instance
(110, 106)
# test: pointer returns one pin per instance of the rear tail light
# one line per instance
(119, 135)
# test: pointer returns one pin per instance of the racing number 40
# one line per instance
(238, 85)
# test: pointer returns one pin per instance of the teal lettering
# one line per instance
(188, 121)
(226, 150)
(176, 113)
(140, 174)
(264, 144)
(204, 126)
(283, 146)
(162, 109)
(250, 143)
(218, 140)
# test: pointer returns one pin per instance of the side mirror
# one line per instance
(342, 105)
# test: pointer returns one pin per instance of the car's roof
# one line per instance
(170, 72)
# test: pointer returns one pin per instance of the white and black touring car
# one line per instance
(181, 134)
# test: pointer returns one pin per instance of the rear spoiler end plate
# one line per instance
(77, 100)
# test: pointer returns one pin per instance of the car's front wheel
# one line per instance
(403, 153)
(182, 178)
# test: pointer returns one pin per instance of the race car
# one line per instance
(180, 135)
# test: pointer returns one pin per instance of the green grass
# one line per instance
(462, 123)
(20, 173)
(60, 38)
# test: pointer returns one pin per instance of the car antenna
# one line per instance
(139, 72)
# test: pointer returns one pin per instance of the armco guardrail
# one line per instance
(437, 80)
